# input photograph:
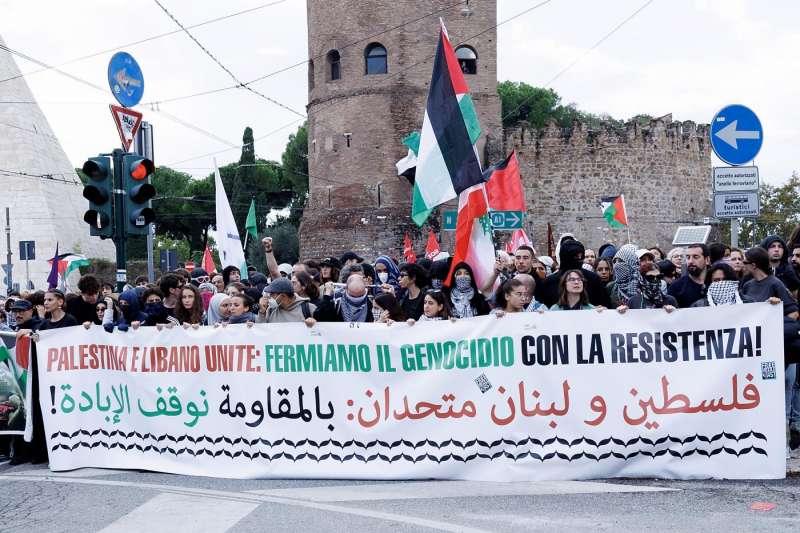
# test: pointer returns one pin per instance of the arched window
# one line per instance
(310, 74)
(375, 58)
(334, 65)
(468, 59)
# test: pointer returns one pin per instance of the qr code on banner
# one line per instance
(483, 383)
(768, 370)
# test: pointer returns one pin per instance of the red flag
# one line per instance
(408, 250)
(208, 262)
(518, 238)
(504, 186)
(432, 248)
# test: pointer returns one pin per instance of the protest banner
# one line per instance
(15, 387)
(697, 393)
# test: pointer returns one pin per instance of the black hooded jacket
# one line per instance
(478, 303)
(547, 289)
(784, 270)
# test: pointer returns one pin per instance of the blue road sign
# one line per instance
(736, 135)
(125, 79)
(499, 219)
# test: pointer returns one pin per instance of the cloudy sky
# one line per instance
(685, 57)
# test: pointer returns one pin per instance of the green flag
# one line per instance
(250, 223)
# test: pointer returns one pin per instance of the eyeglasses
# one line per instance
(574, 280)
(520, 294)
(654, 277)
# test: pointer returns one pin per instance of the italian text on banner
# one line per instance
(697, 393)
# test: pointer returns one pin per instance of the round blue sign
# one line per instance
(736, 135)
(125, 79)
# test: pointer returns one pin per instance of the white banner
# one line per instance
(697, 393)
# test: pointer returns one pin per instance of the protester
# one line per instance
(350, 258)
(736, 260)
(141, 281)
(206, 290)
(435, 307)
(465, 298)
(230, 274)
(285, 270)
(240, 310)
(690, 287)
(54, 306)
(387, 272)
(107, 313)
(511, 298)
(438, 273)
(717, 251)
(304, 287)
(571, 258)
(82, 307)
(538, 269)
(280, 304)
(329, 269)
(130, 310)
(234, 288)
(762, 284)
(189, 310)
(386, 309)
(794, 259)
(106, 289)
(607, 251)
(24, 317)
(723, 287)
(199, 276)
(589, 258)
(219, 283)
(218, 310)
(531, 304)
(413, 281)
(779, 261)
(627, 275)
(650, 294)
(646, 260)
(658, 253)
(523, 259)
(572, 293)
(352, 306)
(667, 269)
(604, 270)
(676, 256)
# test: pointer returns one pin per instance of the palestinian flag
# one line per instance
(614, 210)
(16, 388)
(447, 161)
(474, 244)
(407, 167)
(504, 185)
(68, 263)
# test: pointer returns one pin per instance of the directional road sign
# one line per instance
(27, 250)
(506, 219)
(125, 79)
(735, 179)
(499, 219)
(736, 204)
(736, 135)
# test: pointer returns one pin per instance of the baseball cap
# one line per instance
(330, 262)
(279, 286)
(286, 269)
(641, 252)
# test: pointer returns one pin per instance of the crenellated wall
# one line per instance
(663, 169)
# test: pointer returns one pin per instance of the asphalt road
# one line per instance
(90, 500)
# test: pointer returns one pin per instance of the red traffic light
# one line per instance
(142, 169)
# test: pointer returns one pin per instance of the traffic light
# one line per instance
(99, 192)
(136, 172)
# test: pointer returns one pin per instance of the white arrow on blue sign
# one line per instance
(736, 135)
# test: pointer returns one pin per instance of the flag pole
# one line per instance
(627, 222)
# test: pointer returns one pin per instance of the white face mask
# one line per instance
(383, 276)
(273, 303)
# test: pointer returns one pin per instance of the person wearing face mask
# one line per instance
(280, 304)
(570, 257)
(626, 276)
(650, 295)
(352, 306)
(465, 299)
(438, 273)
(387, 272)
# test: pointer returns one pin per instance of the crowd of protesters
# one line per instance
(351, 289)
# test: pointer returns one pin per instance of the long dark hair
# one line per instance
(193, 315)
(730, 274)
(440, 298)
(501, 299)
(388, 302)
(307, 282)
(562, 289)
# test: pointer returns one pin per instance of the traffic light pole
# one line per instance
(119, 220)
(9, 279)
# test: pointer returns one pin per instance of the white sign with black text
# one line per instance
(736, 179)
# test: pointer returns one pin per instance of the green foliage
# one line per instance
(295, 169)
(780, 212)
(534, 107)
(286, 242)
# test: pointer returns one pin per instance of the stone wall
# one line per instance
(663, 169)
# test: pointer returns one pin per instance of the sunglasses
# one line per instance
(202, 279)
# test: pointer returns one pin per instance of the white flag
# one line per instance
(228, 242)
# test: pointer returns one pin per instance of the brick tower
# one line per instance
(39, 184)
(368, 82)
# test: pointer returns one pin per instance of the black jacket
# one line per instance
(547, 289)
(330, 310)
(784, 270)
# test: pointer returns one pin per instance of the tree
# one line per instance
(534, 107)
(780, 212)
(295, 170)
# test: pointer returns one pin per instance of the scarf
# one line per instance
(725, 292)
(391, 269)
(651, 291)
(247, 316)
(461, 297)
(626, 273)
(354, 309)
(426, 318)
